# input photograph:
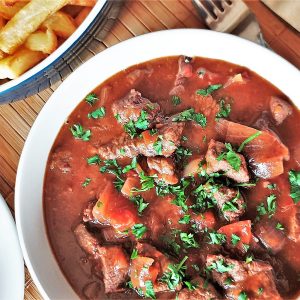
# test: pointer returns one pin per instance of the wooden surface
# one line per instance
(137, 17)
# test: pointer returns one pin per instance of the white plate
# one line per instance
(11, 259)
(29, 184)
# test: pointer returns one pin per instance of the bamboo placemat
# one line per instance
(136, 17)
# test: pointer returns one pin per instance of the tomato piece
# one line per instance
(148, 137)
(205, 220)
(130, 183)
(242, 229)
(114, 209)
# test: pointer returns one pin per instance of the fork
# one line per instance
(230, 16)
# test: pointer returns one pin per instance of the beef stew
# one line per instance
(178, 178)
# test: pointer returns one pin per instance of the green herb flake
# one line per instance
(131, 166)
(185, 219)
(191, 115)
(294, 179)
(188, 240)
(158, 145)
(91, 99)
(231, 157)
(243, 296)
(190, 285)
(272, 186)
(209, 90)
(228, 281)
(220, 266)
(138, 230)
(235, 239)
(94, 160)
(249, 259)
(260, 291)
(216, 238)
(176, 100)
(149, 290)
(248, 140)
(134, 254)
(97, 114)
(80, 133)
(271, 204)
(122, 151)
(147, 182)
(279, 226)
(175, 275)
(224, 111)
(111, 166)
(86, 182)
(140, 203)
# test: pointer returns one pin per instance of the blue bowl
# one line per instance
(66, 58)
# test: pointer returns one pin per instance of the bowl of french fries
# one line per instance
(39, 39)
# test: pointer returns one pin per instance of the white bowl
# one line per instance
(29, 184)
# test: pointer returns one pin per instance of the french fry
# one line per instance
(82, 15)
(7, 12)
(26, 21)
(13, 66)
(45, 42)
(61, 23)
(90, 3)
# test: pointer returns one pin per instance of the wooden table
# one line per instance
(136, 17)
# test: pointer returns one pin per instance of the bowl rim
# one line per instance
(110, 61)
(42, 65)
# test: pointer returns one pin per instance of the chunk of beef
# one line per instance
(87, 214)
(110, 262)
(215, 149)
(265, 153)
(130, 108)
(164, 168)
(230, 203)
(271, 238)
(185, 71)
(167, 138)
(203, 291)
(193, 166)
(293, 224)
(280, 109)
(61, 160)
(244, 277)
(149, 265)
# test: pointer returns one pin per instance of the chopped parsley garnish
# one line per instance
(231, 205)
(176, 100)
(279, 226)
(243, 296)
(248, 140)
(246, 247)
(220, 266)
(175, 275)
(147, 182)
(91, 99)
(235, 239)
(138, 230)
(134, 254)
(184, 138)
(97, 114)
(131, 166)
(171, 243)
(228, 281)
(94, 160)
(190, 285)
(216, 238)
(179, 192)
(204, 198)
(153, 131)
(188, 240)
(86, 182)
(260, 290)
(140, 203)
(271, 205)
(158, 145)
(207, 91)
(80, 133)
(185, 219)
(272, 186)
(249, 259)
(181, 154)
(294, 178)
(111, 166)
(231, 157)
(149, 290)
(190, 115)
(224, 111)
(132, 127)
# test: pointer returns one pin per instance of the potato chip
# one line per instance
(45, 42)
(13, 66)
(26, 21)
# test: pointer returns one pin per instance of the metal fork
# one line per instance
(230, 16)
